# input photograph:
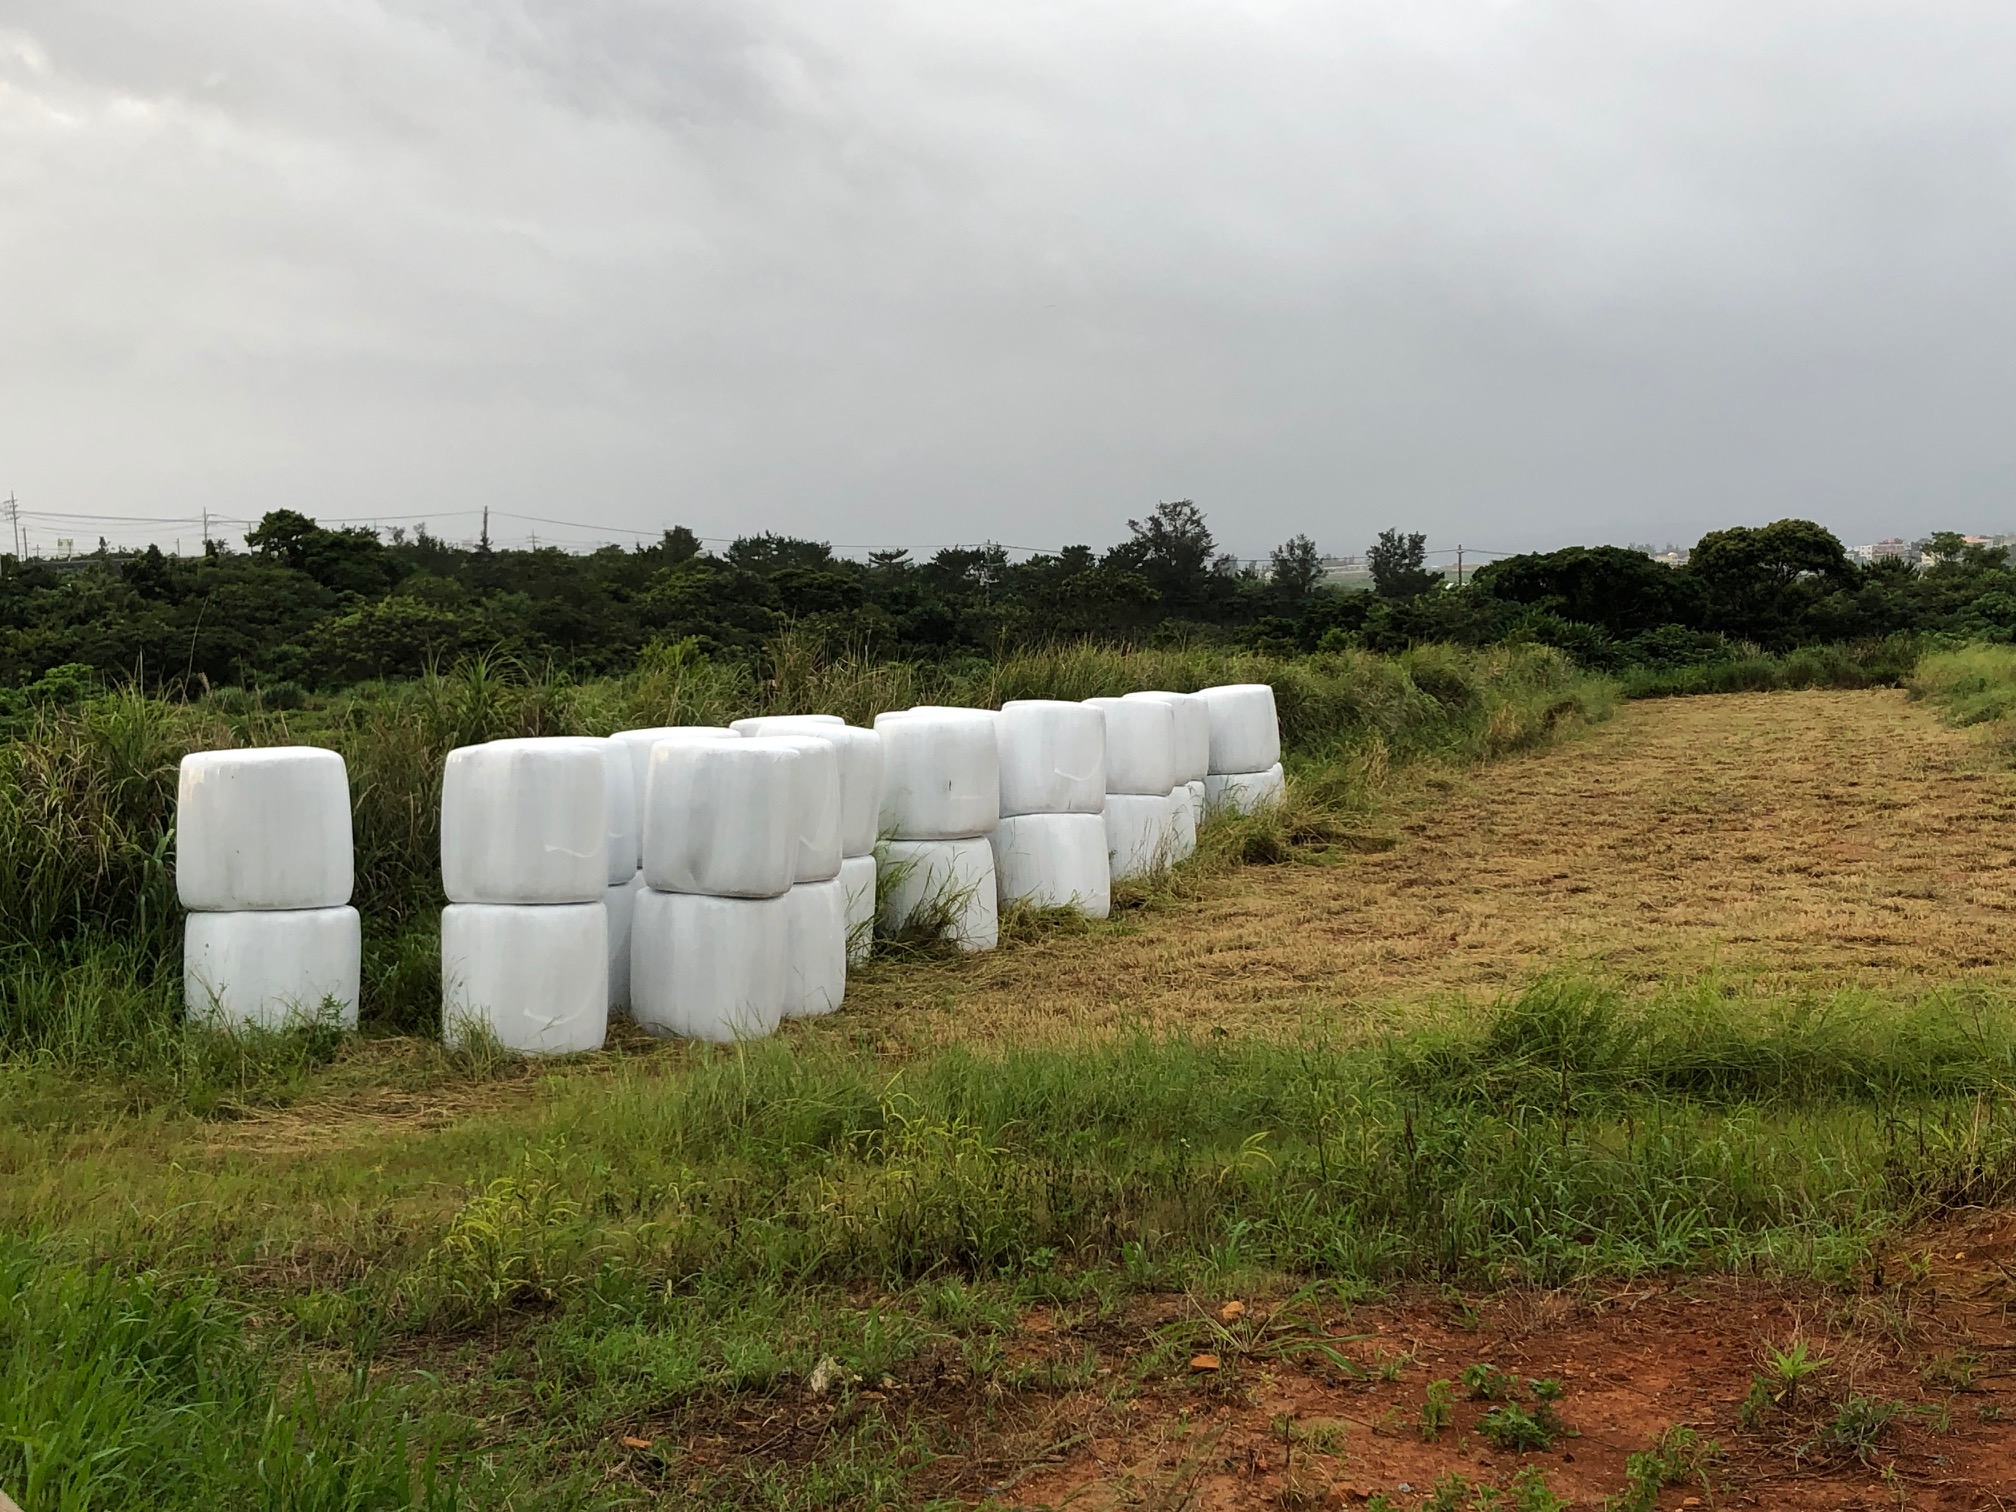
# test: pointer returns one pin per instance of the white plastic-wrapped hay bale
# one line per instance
(1182, 825)
(860, 753)
(263, 829)
(1139, 838)
(535, 976)
(1140, 745)
(272, 967)
(784, 724)
(639, 743)
(941, 774)
(817, 807)
(619, 808)
(619, 899)
(1243, 792)
(1193, 732)
(1053, 861)
(1245, 732)
(721, 818)
(525, 821)
(857, 881)
(815, 948)
(708, 968)
(1198, 807)
(1053, 757)
(947, 886)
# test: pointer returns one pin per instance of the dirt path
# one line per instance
(1812, 840)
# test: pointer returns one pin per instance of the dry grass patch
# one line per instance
(1809, 840)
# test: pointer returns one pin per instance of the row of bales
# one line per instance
(710, 882)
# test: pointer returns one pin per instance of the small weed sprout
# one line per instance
(1531, 1493)
(1487, 1383)
(1679, 1455)
(1449, 1495)
(1858, 1427)
(1512, 1428)
(1957, 1371)
(1547, 1389)
(1438, 1410)
(1785, 1374)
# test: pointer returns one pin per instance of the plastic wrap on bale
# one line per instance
(815, 954)
(817, 806)
(1245, 733)
(1053, 861)
(1140, 837)
(941, 775)
(639, 743)
(525, 821)
(860, 753)
(720, 818)
(263, 829)
(947, 886)
(619, 806)
(1193, 732)
(1140, 745)
(1243, 792)
(535, 977)
(857, 879)
(620, 900)
(708, 968)
(1053, 757)
(269, 968)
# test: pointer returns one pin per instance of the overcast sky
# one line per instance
(1517, 273)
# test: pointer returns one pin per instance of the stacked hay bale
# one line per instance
(1193, 765)
(726, 836)
(1050, 845)
(941, 801)
(1141, 832)
(263, 861)
(860, 756)
(1245, 749)
(525, 863)
(620, 899)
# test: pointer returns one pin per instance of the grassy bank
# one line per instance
(672, 1248)
(1886, 663)
(89, 930)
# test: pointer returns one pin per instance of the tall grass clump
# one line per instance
(134, 1394)
(1885, 663)
(1971, 685)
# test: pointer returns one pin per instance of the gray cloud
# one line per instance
(1515, 272)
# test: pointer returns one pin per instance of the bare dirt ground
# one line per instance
(1281, 1424)
(1805, 840)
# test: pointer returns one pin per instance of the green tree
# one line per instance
(1399, 565)
(1294, 570)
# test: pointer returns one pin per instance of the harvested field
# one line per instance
(1807, 841)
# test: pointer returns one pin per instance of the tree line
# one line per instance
(310, 606)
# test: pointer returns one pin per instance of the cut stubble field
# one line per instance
(1792, 842)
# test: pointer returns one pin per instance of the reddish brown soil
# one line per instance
(1280, 1425)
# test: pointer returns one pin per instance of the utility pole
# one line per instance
(1459, 565)
(485, 543)
(206, 530)
(14, 522)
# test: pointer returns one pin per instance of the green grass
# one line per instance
(671, 1245)
(1885, 663)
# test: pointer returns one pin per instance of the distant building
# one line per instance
(1889, 549)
